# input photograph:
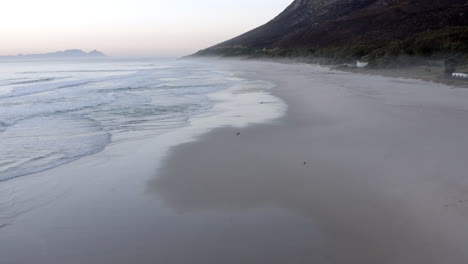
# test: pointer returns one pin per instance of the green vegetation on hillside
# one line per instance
(450, 44)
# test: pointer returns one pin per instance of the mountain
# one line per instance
(72, 53)
(299, 16)
(327, 24)
(96, 53)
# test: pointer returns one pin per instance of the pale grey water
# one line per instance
(54, 112)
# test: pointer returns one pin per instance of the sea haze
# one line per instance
(55, 112)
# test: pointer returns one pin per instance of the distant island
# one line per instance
(370, 33)
(72, 53)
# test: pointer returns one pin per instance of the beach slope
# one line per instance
(377, 164)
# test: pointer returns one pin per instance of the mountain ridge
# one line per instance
(332, 23)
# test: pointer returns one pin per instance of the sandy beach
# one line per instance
(360, 169)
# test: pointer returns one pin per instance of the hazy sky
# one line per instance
(128, 27)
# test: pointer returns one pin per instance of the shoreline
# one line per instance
(98, 191)
(370, 190)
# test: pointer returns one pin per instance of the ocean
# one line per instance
(55, 112)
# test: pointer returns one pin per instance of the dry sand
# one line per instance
(384, 183)
(434, 73)
(355, 172)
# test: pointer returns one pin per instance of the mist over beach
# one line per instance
(320, 134)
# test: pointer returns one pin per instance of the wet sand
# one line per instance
(355, 172)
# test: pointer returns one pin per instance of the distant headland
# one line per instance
(66, 54)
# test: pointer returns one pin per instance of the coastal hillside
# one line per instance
(350, 29)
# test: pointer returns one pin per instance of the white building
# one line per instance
(361, 64)
(460, 75)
